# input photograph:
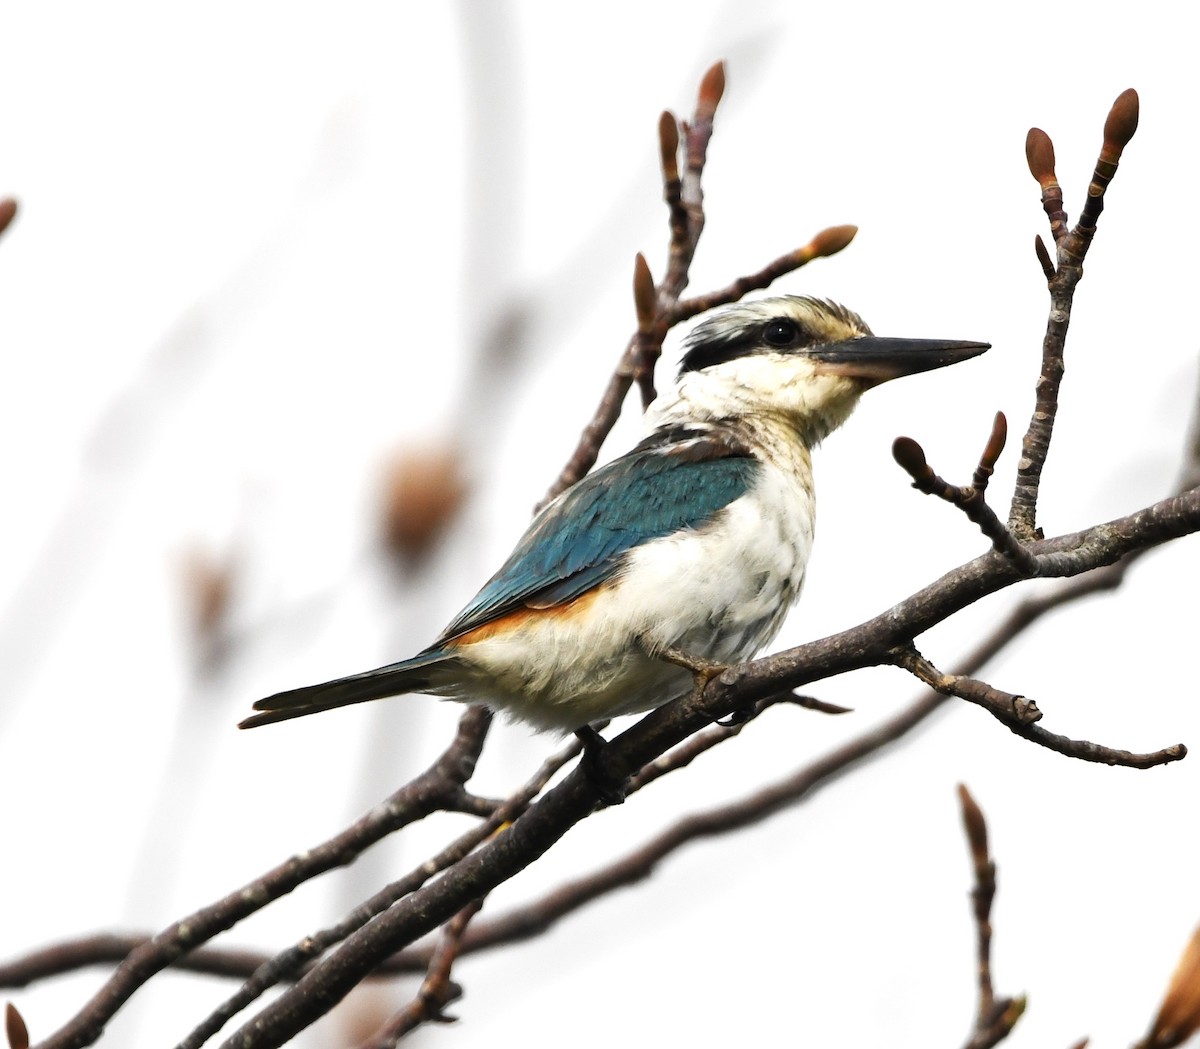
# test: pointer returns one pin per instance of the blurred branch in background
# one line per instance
(126, 434)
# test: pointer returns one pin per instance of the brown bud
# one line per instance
(1179, 1015)
(996, 441)
(14, 1026)
(668, 145)
(8, 211)
(1039, 153)
(911, 456)
(712, 87)
(208, 583)
(645, 298)
(1120, 126)
(423, 492)
(831, 241)
(976, 827)
(1043, 256)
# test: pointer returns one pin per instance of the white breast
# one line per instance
(719, 592)
(722, 591)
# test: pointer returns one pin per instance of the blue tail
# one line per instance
(409, 675)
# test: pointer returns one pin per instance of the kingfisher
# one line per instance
(688, 550)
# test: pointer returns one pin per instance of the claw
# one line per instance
(737, 717)
(596, 766)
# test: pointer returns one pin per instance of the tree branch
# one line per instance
(1071, 248)
(1020, 714)
(436, 991)
(994, 1017)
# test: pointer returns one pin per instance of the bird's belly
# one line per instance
(720, 592)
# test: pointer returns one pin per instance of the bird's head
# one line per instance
(804, 361)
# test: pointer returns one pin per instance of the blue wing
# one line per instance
(668, 482)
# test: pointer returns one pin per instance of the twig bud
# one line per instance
(1120, 126)
(1043, 256)
(668, 145)
(831, 241)
(976, 827)
(712, 87)
(14, 1026)
(645, 298)
(991, 452)
(911, 456)
(8, 211)
(1039, 154)
(209, 586)
(1179, 1015)
(995, 445)
(423, 491)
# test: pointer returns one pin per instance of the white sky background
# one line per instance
(258, 246)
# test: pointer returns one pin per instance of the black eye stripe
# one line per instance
(781, 333)
(708, 354)
(789, 324)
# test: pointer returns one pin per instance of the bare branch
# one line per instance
(288, 964)
(1020, 714)
(1071, 248)
(994, 1017)
(684, 197)
(437, 990)
(827, 242)
(417, 799)
(911, 456)
(685, 205)
(535, 831)
(526, 922)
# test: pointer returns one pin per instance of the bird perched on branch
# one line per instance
(690, 547)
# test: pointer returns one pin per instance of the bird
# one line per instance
(688, 550)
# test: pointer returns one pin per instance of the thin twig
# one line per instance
(994, 1017)
(685, 206)
(436, 991)
(969, 499)
(827, 242)
(684, 197)
(427, 793)
(1020, 714)
(288, 964)
(1071, 247)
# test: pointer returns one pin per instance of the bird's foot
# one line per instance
(598, 767)
(703, 669)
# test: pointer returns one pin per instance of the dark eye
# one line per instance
(780, 333)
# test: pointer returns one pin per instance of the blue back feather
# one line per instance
(667, 483)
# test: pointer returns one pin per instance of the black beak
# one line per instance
(875, 360)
